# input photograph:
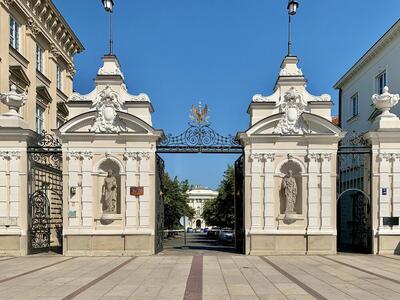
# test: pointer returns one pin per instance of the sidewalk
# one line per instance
(201, 277)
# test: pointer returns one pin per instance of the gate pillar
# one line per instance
(14, 136)
(384, 137)
(109, 170)
(290, 169)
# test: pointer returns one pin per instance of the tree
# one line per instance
(221, 210)
(175, 201)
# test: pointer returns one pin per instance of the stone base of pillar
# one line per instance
(388, 244)
(109, 245)
(292, 244)
(13, 245)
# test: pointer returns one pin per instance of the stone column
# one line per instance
(87, 188)
(313, 191)
(132, 168)
(256, 210)
(144, 181)
(326, 191)
(269, 201)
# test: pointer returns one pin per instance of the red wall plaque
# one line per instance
(137, 191)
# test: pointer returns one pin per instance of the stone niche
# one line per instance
(299, 178)
(105, 166)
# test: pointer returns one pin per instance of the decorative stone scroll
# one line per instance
(292, 107)
(8, 155)
(137, 155)
(107, 120)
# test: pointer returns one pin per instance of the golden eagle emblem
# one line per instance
(200, 113)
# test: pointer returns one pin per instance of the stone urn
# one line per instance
(14, 101)
(384, 102)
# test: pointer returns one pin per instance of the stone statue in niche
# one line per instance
(290, 188)
(109, 193)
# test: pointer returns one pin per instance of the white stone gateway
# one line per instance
(109, 147)
(290, 169)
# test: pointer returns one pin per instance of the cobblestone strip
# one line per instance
(97, 280)
(308, 289)
(194, 284)
(362, 270)
(35, 270)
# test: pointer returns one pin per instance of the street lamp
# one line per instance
(108, 6)
(292, 7)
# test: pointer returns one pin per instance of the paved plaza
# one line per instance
(201, 277)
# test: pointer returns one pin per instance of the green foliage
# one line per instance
(221, 210)
(175, 202)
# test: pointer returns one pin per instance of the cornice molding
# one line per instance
(44, 18)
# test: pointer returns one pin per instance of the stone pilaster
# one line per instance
(4, 212)
(313, 191)
(87, 189)
(257, 160)
(396, 184)
(269, 201)
(384, 183)
(326, 191)
(74, 205)
(144, 181)
(14, 191)
(132, 202)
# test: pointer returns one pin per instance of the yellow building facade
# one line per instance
(37, 47)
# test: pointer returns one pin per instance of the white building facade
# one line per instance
(378, 67)
(197, 197)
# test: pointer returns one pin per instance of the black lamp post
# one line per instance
(292, 7)
(108, 6)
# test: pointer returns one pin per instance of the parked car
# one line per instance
(198, 229)
(226, 236)
(189, 230)
(213, 233)
(205, 229)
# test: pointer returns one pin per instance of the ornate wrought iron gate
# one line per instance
(354, 195)
(159, 207)
(45, 193)
(239, 206)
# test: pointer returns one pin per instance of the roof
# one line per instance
(370, 54)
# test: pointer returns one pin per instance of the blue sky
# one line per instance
(221, 52)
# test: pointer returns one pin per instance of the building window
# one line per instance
(14, 34)
(353, 106)
(380, 82)
(39, 118)
(59, 78)
(39, 58)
